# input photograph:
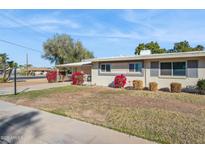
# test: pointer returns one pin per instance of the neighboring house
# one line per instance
(185, 67)
(38, 71)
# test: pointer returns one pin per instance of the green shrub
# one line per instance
(137, 84)
(176, 87)
(201, 84)
(153, 86)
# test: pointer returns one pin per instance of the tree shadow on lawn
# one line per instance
(12, 128)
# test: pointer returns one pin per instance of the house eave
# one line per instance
(153, 56)
(77, 64)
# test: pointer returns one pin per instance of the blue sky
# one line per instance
(104, 32)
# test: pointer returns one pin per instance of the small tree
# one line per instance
(184, 46)
(153, 46)
(6, 66)
(63, 49)
(199, 48)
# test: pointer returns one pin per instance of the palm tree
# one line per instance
(6, 66)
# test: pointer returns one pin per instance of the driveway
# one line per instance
(19, 124)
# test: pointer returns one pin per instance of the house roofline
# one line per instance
(77, 64)
(152, 56)
(137, 57)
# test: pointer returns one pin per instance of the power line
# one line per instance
(21, 23)
(15, 44)
(19, 45)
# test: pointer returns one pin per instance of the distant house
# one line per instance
(186, 68)
(38, 70)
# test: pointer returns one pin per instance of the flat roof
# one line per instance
(75, 64)
(38, 69)
(137, 57)
(152, 56)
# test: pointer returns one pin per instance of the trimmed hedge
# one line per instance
(153, 86)
(137, 84)
(175, 87)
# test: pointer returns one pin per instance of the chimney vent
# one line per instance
(145, 52)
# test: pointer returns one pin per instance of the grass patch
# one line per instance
(158, 116)
(183, 97)
(59, 112)
(42, 93)
(158, 125)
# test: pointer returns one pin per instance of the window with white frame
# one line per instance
(173, 68)
(105, 67)
(135, 67)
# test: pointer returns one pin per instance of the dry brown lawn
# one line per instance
(159, 116)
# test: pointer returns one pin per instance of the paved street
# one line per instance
(10, 90)
(19, 124)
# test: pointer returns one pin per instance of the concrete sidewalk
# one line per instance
(19, 124)
(10, 90)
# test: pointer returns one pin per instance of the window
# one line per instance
(137, 67)
(154, 70)
(179, 68)
(166, 68)
(105, 68)
(131, 67)
(173, 68)
(192, 68)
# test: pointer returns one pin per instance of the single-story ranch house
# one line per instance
(185, 67)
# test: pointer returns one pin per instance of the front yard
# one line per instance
(161, 117)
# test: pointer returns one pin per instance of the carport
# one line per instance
(84, 66)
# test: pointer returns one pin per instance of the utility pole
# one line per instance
(26, 64)
(15, 92)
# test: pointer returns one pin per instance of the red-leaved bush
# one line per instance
(120, 81)
(77, 78)
(51, 76)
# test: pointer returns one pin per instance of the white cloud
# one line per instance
(144, 25)
(52, 21)
(161, 26)
(38, 23)
(140, 18)
(109, 34)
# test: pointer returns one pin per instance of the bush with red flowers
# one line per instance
(120, 81)
(77, 78)
(51, 76)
